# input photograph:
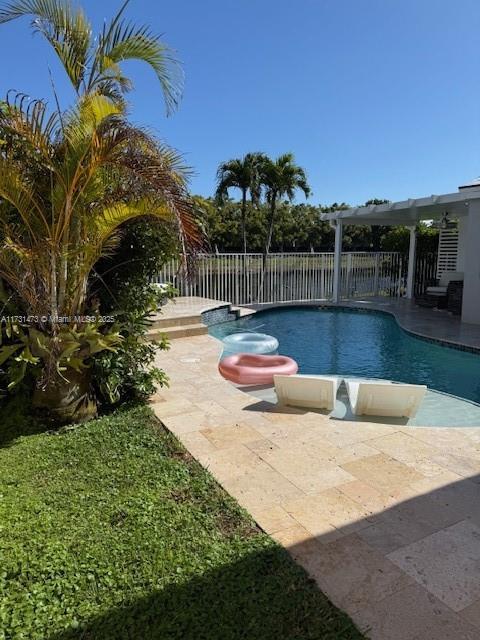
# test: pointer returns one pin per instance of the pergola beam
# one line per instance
(408, 212)
(406, 221)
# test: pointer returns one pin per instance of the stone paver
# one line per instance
(224, 437)
(413, 614)
(447, 563)
(409, 521)
(385, 518)
(188, 306)
(329, 515)
(352, 573)
(472, 614)
(307, 471)
(275, 519)
(382, 472)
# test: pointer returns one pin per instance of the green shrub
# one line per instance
(122, 286)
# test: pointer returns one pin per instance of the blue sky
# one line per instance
(376, 98)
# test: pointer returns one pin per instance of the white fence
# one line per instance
(237, 277)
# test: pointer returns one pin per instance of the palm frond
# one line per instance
(28, 124)
(22, 198)
(241, 173)
(66, 190)
(65, 28)
(156, 170)
(122, 40)
(94, 65)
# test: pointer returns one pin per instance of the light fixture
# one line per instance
(445, 224)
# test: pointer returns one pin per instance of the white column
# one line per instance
(337, 260)
(411, 263)
(471, 252)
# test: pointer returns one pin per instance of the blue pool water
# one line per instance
(371, 345)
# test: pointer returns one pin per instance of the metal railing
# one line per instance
(237, 277)
(425, 272)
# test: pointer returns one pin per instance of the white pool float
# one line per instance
(250, 343)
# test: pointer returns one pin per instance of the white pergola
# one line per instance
(463, 205)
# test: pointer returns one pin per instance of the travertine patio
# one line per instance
(385, 518)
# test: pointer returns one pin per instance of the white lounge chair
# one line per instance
(314, 392)
(378, 398)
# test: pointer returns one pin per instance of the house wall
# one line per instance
(471, 244)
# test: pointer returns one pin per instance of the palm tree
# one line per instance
(94, 64)
(67, 184)
(244, 174)
(280, 178)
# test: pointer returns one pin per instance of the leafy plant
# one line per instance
(70, 351)
(70, 180)
(72, 347)
(129, 372)
(123, 283)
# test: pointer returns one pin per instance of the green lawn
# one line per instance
(111, 530)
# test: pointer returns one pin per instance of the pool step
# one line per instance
(182, 326)
(178, 331)
(159, 322)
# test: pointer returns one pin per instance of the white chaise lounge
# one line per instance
(378, 398)
(314, 392)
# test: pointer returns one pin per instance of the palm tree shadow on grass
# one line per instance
(265, 596)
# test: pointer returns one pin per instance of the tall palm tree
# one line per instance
(67, 184)
(244, 174)
(94, 63)
(281, 178)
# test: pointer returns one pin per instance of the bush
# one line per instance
(398, 239)
(122, 287)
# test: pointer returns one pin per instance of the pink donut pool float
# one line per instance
(251, 368)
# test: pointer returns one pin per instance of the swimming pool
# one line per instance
(350, 343)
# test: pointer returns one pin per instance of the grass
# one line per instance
(111, 530)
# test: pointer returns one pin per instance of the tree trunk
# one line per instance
(245, 292)
(268, 242)
(271, 221)
(244, 220)
(68, 400)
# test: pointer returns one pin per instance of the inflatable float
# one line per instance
(250, 343)
(250, 368)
